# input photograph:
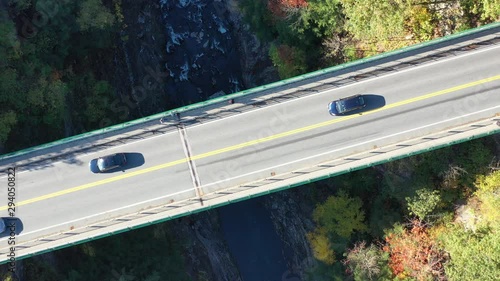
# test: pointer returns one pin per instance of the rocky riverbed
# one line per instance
(200, 49)
(273, 247)
(173, 53)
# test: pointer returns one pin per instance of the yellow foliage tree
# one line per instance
(488, 183)
(491, 9)
(321, 246)
(488, 192)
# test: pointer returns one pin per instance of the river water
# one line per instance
(252, 240)
(201, 53)
(203, 61)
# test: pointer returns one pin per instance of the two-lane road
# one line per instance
(252, 145)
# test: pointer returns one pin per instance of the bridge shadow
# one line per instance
(13, 226)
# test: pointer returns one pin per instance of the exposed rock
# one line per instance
(450, 16)
(172, 54)
(161, 62)
(466, 217)
(202, 55)
(496, 138)
(257, 68)
(138, 73)
(198, 58)
(206, 253)
(291, 217)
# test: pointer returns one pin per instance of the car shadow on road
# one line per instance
(372, 102)
(134, 160)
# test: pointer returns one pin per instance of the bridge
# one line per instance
(252, 143)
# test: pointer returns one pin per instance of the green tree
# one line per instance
(419, 21)
(7, 121)
(256, 14)
(340, 215)
(42, 271)
(372, 21)
(290, 61)
(36, 73)
(423, 203)
(322, 17)
(488, 183)
(10, 88)
(9, 44)
(92, 97)
(20, 4)
(491, 9)
(93, 15)
(154, 276)
(488, 193)
(97, 101)
(383, 214)
(384, 25)
(473, 256)
(47, 99)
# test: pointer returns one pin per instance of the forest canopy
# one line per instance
(323, 33)
(48, 84)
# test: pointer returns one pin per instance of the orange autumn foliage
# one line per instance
(414, 253)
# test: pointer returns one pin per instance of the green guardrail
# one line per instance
(251, 91)
(261, 194)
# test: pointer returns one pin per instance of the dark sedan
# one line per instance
(108, 163)
(346, 105)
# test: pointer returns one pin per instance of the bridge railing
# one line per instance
(309, 83)
(265, 186)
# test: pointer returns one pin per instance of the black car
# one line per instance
(107, 163)
(9, 225)
(3, 225)
(344, 105)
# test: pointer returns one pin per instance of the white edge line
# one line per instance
(214, 183)
(103, 213)
(288, 163)
(296, 99)
(346, 147)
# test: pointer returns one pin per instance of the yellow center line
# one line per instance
(100, 182)
(253, 142)
(337, 120)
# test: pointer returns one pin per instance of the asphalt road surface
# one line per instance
(255, 144)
